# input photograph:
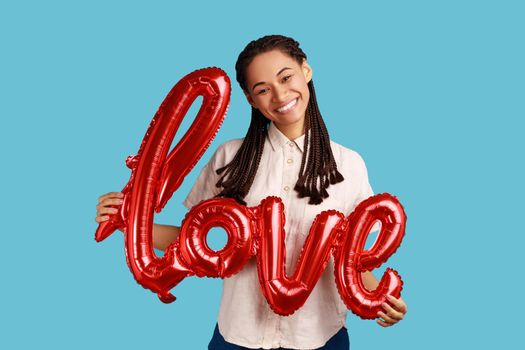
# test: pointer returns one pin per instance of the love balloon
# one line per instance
(252, 231)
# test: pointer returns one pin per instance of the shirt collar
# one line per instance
(278, 139)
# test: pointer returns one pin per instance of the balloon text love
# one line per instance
(252, 231)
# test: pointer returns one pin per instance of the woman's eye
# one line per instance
(286, 78)
(262, 91)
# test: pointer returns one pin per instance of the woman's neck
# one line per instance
(292, 131)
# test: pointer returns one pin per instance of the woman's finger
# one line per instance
(108, 202)
(383, 323)
(386, 318)
(111, 201)
(106, 210)
(104, 196)
(392, 313)
(398, 304)
(110, 195)
(101, 218)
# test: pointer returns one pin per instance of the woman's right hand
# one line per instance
(163, 235)
(104, 205)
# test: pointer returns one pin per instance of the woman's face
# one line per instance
(277, 86)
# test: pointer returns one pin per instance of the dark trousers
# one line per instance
(339, 341)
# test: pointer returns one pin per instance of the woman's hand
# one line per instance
(394, 312)
(104, 205)
(163, 235)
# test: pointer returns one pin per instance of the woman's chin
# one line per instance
(289, 118)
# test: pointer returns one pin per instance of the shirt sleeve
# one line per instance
(365, 191)
(204, 187)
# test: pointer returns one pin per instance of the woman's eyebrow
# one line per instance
(262, 82)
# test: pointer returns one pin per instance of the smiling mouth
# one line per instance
(287, 107)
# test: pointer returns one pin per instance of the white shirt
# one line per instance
(245, 317)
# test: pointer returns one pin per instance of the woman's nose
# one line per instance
(279, 94)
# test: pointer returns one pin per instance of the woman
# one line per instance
(286, 152)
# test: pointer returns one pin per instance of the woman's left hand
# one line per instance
(394, 312)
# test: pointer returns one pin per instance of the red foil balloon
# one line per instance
(251, 231)
(287, 294)
(239, 224)
(351, 259)
(156, 175)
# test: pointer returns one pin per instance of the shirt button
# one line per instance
(290, 143)
(287, 188)
(289, 161)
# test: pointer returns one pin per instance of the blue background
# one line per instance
(430, 93)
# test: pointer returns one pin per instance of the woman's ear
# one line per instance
(307, 71)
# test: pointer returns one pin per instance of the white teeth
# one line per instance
(287, 107)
